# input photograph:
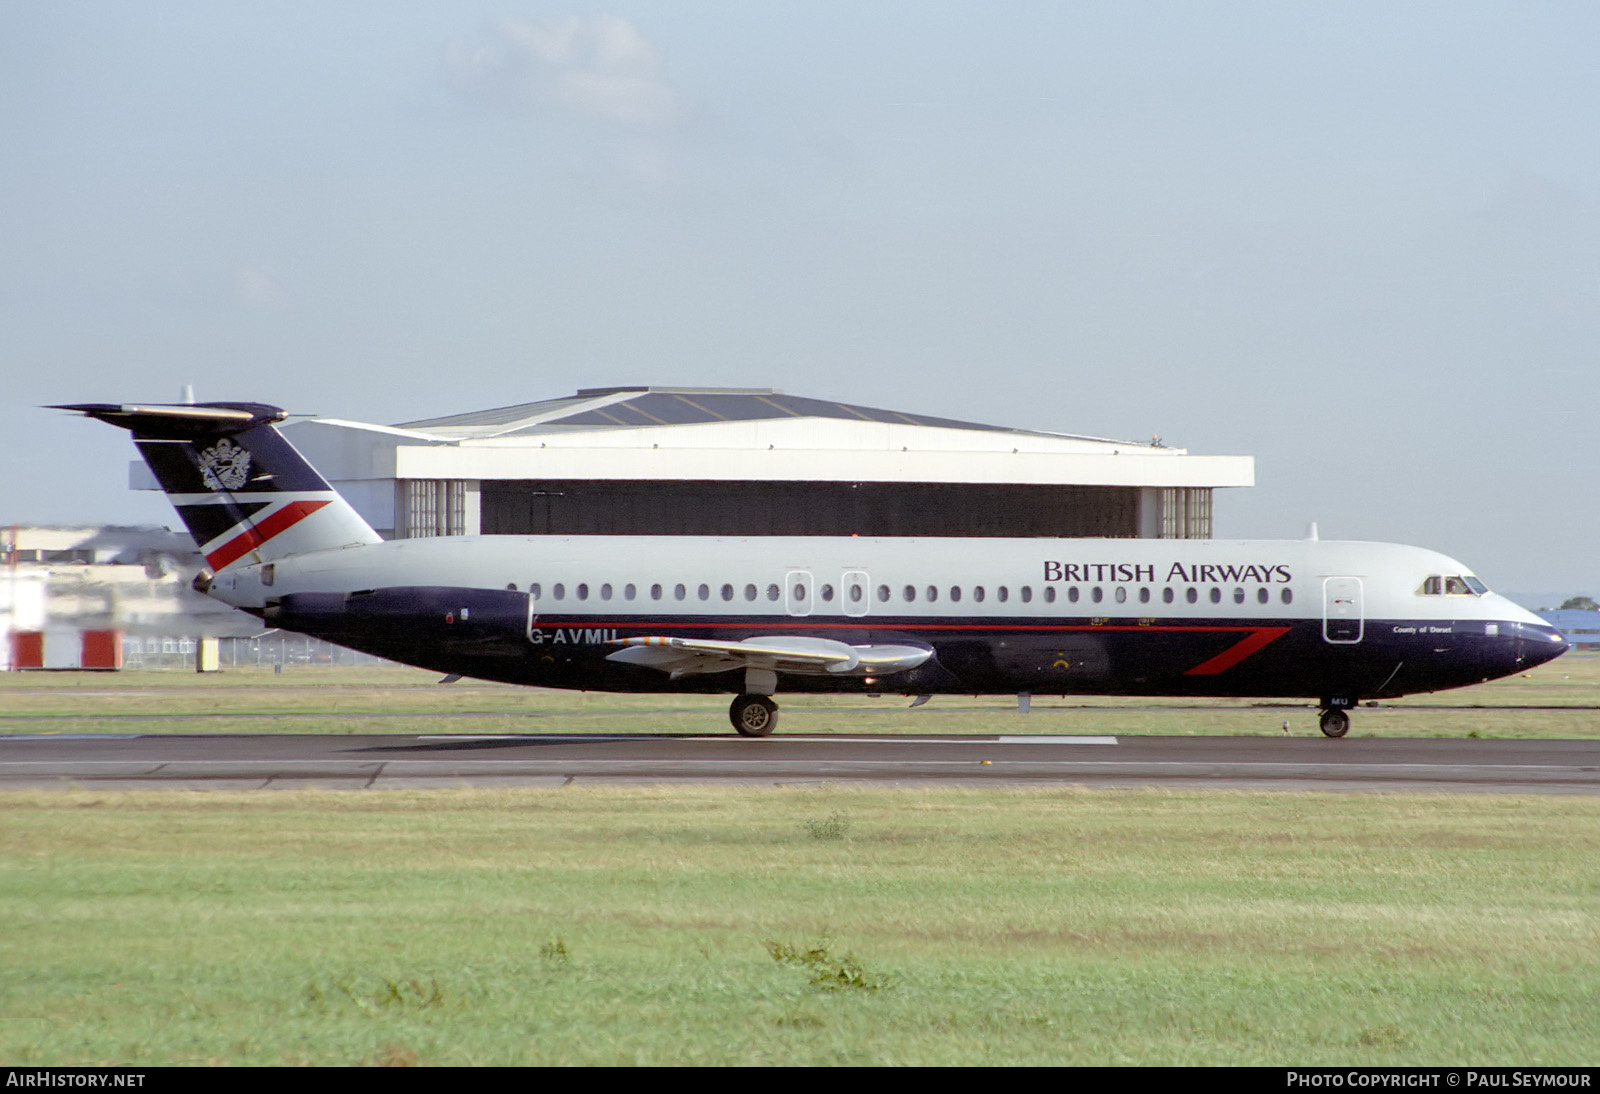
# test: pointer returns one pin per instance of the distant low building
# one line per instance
(1581, 627)
(59, 585)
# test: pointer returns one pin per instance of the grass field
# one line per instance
(820, 925)
(804, 925)
(1561, 699)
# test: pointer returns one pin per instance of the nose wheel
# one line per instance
(753, 715)
(1335, 723)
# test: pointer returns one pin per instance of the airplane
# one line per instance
(1335, 622)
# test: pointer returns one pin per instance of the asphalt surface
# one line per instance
(127, 761)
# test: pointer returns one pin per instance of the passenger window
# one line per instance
(655, 592)
(909, 593)
(1166, 595)
(1121, 595)
(1287, 596)
(977, 594)
(799, 591)
(749, 592)
(1072, 594)
(773, 592)
(933, 594)
(704, 592)
(955, 592)
(1003, 594)
(560, 591)
(1261, 595)
(1216, 595)
(855, 594)
(1238, 596)
(1096, 594)
(679, 592)
(1144, 595)
(1027, 594)
(1192, 594)
(1050, 593)
(533, 590)
(583, 590)
(629, 592)
(727, 592)
(883, 594)
(827, 593)
(605, 591)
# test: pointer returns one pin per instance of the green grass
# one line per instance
(1561, 699)
(716, 926)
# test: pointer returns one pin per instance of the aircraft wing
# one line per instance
(778, 653)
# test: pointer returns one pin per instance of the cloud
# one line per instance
(257, 289)
(599, 67)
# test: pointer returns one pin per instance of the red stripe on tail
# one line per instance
(255, 536)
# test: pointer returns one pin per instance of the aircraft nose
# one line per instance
(1540, 643)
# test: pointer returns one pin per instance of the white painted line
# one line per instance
(1031, 740)
(46, 735)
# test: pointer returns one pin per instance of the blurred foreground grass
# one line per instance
(807, 925)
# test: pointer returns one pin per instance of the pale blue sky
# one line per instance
(1360, 242)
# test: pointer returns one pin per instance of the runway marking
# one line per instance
(46, 735)
(468, 737)
(986, 741)
(1031, 740)
(1208, 765)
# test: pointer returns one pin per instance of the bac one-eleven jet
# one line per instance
(1329, 621)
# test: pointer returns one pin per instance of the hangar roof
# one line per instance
(736, 434)
(603, 408)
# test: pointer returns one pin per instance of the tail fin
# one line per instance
(244, 492)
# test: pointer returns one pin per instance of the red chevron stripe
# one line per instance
(1257, 638)
(255, 535)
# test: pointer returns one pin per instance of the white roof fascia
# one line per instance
(822, 434)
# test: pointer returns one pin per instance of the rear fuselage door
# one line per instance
(797, 592)
(1341, 609)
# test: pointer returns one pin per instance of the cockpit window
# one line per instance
(1452, 585)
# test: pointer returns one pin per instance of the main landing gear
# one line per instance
(1335, 722)
(753, 715)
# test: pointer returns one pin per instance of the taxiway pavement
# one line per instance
(370, 761)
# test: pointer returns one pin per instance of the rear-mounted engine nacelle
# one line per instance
(406, 613)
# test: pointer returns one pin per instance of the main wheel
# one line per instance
(1335, 723)
(753, 715)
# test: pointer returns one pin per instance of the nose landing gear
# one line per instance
(1334, 722)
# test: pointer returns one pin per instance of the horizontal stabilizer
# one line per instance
(182, 419)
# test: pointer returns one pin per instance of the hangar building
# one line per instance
(753, 462)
